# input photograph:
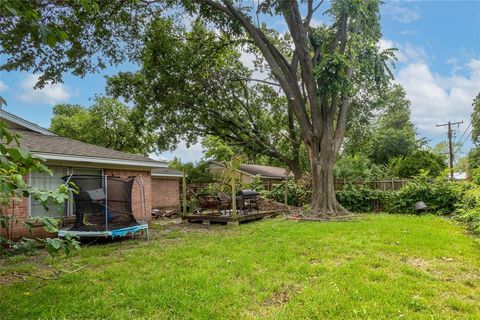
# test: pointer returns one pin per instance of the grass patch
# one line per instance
(381, 267)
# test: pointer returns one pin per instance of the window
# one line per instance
(48, 182)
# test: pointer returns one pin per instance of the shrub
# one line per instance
(359, 198)
(468, 208)
(417, 162)
(439, 194)
(298, 194)
(358, 166)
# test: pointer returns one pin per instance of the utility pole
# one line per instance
(450, 143)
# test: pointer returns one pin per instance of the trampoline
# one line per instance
(103, 207)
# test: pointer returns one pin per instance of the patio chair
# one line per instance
(224, 202)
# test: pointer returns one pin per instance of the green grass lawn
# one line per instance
(380, 267)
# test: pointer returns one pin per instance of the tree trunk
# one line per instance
(322, 161)
(294, 166)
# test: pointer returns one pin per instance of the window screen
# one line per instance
(47, 182)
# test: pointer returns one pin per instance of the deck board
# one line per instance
(224, 219)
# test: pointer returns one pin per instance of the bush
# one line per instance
(358, 166)
(468, 208)
(439, 194)
(359, 198)
(417, 162)
(298, 194)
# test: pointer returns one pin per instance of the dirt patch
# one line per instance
(419, 263)
(324, 218)
(281, 296)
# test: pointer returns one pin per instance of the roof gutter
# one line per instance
(170, 175)
(112, 161)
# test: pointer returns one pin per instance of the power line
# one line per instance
(450, 144)
(465, 131)
(464, 141)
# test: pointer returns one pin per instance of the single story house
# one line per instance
(166, 188)
(269, 175)
(66, 156)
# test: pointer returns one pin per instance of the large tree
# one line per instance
(108, 123)
(327, 66)
(192, 84)
(394, 134)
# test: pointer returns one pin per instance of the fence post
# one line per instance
(287, 172)
(234, 194)
(184, 193)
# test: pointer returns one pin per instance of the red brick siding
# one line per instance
(136, 194)
(165, 193)
(20, 209)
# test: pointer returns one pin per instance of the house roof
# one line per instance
(166, 172)
(266, 172)
(56, 148)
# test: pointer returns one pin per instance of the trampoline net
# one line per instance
(102, 202)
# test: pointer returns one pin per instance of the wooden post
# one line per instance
(184, 193)
(287, 172)
(234, 193)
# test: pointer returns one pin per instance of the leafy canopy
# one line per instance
(106, 123)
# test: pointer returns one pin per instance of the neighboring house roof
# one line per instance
(23, 124)
(166, 172)
(56, 148)
(265, 172)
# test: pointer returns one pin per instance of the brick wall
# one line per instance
(165, 193)
(136, 194)
(19, 209)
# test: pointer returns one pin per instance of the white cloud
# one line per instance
(437, 98)
(3, 86)
(192, 154)
(401, 13)
(405, 52)
(51, 93)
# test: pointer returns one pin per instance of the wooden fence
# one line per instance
(385, 185)
(198, 187)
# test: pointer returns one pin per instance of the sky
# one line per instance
(438, 64)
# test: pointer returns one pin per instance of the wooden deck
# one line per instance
(227, 219)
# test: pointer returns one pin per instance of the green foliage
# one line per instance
(77, 36)
(476, 120)
(439, 194)
(391, 143)
(359, 198)
(15, 164)
(66, 245)
(358, 166)
(298, 195)
(216, 148)
(394, 134)
(473, 159)
(418, 161)
(106, 123)
(196, 173)
(468, 208)
(256, 184)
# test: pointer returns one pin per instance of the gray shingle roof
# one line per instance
(269, 172)
(166, 172)
(52, 144)
(263, 171)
